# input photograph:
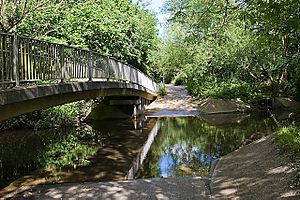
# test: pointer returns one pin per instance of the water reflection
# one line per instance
(189, 146)
(102, 150)
(113, 150)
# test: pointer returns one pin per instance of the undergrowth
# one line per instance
(288, 137)
(161, 91)
(57, 116)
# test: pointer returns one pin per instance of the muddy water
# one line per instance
(114, 150)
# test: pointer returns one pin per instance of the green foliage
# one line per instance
(162, 90)
(172, 54)
(69, 152)
(227, 49)
(57, 116)
(288, 137)
(116, 28)
(13, 12)
(224, 90)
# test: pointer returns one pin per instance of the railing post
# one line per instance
(90, 66)
(15, 56)
(62, 64)
(108, 68)
(56, 61)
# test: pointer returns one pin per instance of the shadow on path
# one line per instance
(256, 171)
(157, 188)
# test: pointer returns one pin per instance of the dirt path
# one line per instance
(177, 102)
(256, 171)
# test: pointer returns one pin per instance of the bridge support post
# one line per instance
(15, 60)
(139, 108)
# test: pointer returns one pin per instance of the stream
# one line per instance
(125, 149)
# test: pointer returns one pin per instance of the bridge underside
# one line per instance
(17, 101)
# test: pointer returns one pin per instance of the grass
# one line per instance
(162, 91)
(288, 137)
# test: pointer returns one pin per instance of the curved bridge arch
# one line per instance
(75, 74)
(18, 101)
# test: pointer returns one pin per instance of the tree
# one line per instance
(234, 44)
(115, 28)
(277, 24)
(13, 12)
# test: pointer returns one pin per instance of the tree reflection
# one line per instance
(188, 146)
(23, 152)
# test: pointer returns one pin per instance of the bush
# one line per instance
(161, 91)
(180, 79)
(57, 116)
(288, 137)
(225, 90)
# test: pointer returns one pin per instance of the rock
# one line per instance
(285, 103)
(210, 105)
(225, 118)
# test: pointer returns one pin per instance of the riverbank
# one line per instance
(177, 102)
(256, 171)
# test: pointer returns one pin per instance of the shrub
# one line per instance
(225, 90)
(62, 115)
(161, 91)
(288, 137)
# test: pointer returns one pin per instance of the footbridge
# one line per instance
(36, 74)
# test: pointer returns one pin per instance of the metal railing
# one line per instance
(24, 60)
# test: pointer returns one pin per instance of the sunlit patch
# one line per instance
(228, 191)
(281, 169)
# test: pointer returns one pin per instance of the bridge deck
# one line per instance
(20, 100)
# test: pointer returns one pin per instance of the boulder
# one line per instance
(210, 106)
